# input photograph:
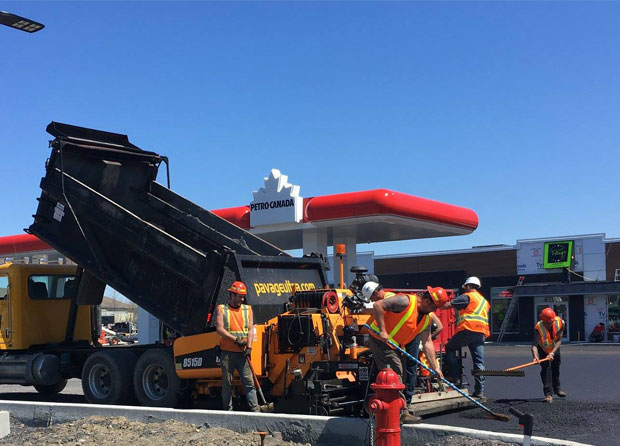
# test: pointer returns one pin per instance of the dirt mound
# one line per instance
(115, 431)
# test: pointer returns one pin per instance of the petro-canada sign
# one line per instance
(277, 202)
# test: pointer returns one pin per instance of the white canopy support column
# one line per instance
(315, 240)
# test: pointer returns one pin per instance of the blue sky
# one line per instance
(508, 108)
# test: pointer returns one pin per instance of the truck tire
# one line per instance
(155, 381)
(51, 389)
(106, 378)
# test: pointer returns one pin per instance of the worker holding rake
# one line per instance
(547, 341)
(399, 319)
(235, 325)
(472, 328)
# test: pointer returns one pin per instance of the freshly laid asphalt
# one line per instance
(588, 415)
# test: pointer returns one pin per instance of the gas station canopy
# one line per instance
(371, 216)
(378, 215)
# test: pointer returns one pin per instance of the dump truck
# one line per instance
(101, 206)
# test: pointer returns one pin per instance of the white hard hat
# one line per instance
(368, 289)
(473, 280)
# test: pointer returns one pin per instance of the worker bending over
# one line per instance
(547, 341)
(472, 328)
(400, 318)
(235, 325)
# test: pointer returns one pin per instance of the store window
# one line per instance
(613, 313)
(500, 299)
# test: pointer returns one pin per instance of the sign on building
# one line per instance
(558, 254)
(531, 256)
(277, 202)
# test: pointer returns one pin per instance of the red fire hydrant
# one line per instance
(386, 405)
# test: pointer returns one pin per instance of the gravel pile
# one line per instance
(115, 431)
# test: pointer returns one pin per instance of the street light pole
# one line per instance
(20, 23)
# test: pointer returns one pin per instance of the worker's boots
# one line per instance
(560, 393)
(479, 396)
(408, 418)
(267, 408)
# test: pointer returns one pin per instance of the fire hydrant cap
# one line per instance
(387, 379)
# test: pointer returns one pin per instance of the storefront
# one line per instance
(582, 305)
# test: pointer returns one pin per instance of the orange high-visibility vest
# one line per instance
(547, 339)
(475, 317)
(403, 327)
(237, 323)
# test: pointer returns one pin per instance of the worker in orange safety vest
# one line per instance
(547, 340)
(235, 325)
(472, 328)
(400, 318)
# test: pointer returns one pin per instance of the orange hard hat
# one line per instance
(438, 295)
(238, 288)
(547, 315)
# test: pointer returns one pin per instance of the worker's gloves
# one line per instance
(248, 351)
(240, 341)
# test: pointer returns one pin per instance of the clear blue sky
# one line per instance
(511, 109)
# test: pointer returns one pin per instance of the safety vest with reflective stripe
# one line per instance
(237, 323)
(403, 327)
(474, 317)
(547, 339)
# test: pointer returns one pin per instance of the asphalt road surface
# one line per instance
(589, 414)
(589, 374)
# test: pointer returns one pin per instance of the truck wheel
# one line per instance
(106, 378)
(52, 389)
(155, 381)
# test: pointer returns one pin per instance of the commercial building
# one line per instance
(584, 289)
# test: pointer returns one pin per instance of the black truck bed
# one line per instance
(101, 207)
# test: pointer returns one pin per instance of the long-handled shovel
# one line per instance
(265, 407)
(493, 415)
(512, 371)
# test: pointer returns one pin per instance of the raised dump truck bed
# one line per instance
(101, 206)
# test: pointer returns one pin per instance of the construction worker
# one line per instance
(472, 328)
(547, 341)
(235, 325)
(400, 318)
(598, 334)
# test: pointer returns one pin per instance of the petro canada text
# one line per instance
(272, 204)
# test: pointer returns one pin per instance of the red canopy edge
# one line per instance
(13, 244)
(387, 202)
(366, 203)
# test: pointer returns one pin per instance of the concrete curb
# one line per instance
(316, 430)
(5, 425)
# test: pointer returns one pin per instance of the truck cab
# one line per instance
(35, 303)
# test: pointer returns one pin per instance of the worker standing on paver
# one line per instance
(472, 328)
(547, 340)
(400, 318)
(235, 325)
